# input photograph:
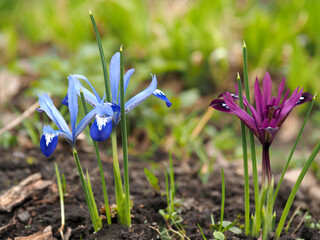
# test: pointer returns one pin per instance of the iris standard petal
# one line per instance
(267, 88)
(259, 100)
(114, 107)
(126, 79)
(72, 105)
(114, 73)
(140, 97)
(280, 90)
(288, 106)
(90, 98)
(48, 107)
(159, 94)
(78, 85)
(101, 128)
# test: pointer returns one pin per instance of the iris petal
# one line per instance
(267, 88)
(220, 105)
(65, 100)
(127, 77)
(72, 105)
(47, 106)
(48, 143)
(159, 94)
(305, 97)
(140, 97)
(85, 91)
(101, 128)
(259, 100)
(114, 73)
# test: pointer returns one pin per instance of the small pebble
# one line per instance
(24, 217)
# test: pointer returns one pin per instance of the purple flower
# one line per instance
(267, 116)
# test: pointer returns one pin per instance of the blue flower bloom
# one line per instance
(49, 138)
(97, 129)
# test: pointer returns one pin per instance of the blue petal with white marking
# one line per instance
(102, 110)
(101, 128)
(140, 97)
(159, 94)
(49, 140)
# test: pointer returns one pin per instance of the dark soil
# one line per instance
(198, 201)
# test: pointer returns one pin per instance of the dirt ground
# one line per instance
(198, 200)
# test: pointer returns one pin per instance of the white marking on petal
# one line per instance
(300, 99)
(225, 105)
(49, 137)
(102, 121)
(158, 92)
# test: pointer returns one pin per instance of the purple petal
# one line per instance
(287, 106)
(243, 115)
(280, 90)
(305, 97)
(101, 128)
(159, 94)
(220, 105)
(259, 100)
(267, 88)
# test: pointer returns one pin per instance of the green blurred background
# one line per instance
(194, 47)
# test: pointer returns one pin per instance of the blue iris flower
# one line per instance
(49, 139)
(102, 122)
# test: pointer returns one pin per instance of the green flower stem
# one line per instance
(61, 198)
(102, 177)
(103, 59)
(116, 168)
(117, 178)
(245, 163)
(252, 143)
(295, 189)
(96, 221)
(172, 185)
(294, 147)
(223, 195)
(92, 200)
(257, 218)
(124, 142)
(268, 217)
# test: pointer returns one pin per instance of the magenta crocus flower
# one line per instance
(267, 116)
